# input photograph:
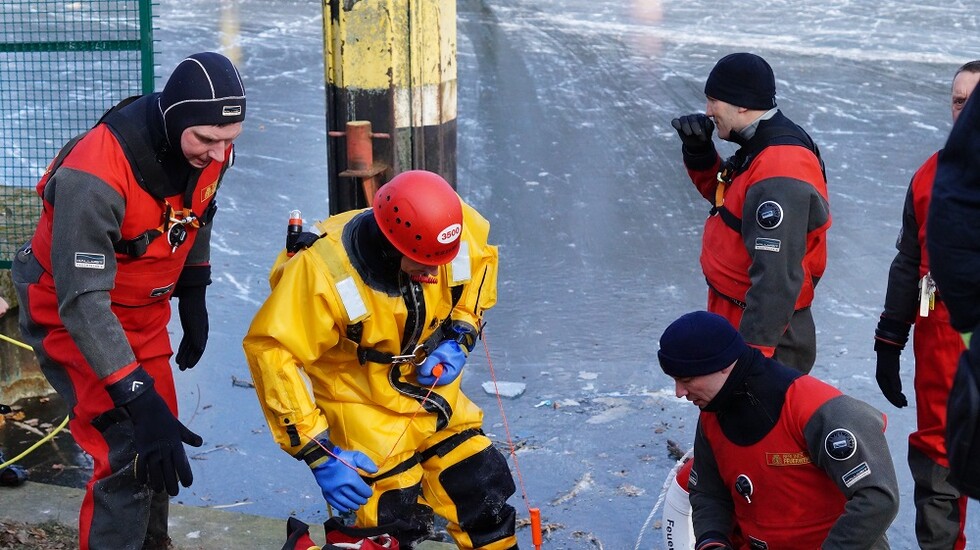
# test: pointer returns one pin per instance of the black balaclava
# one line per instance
(372, 255)
(204, 89)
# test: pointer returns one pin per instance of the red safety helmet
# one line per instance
(420, 214)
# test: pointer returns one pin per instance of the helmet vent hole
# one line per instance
(418, 237)
(408, 224)
(398, 221)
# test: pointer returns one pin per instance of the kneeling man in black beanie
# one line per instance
(781, 459)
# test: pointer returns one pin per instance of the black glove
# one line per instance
(695, 132)
(157, 435)
(192, 308)
(886, 373)
(890, 339)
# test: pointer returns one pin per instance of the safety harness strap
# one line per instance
(772, 134)
(371, 355)
(440, 449)
(136, 247)
(302, 241)
(445, 446)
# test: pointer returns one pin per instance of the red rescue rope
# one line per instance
(533, 513)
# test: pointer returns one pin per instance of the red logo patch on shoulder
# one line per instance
(787, 459)
(209, 191)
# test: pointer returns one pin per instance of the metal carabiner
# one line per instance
(417, 357)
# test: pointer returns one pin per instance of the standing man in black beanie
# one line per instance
(125, 226)
(781, 459)
(764, 246)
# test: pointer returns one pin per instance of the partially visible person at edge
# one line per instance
(953, 243)
(125, 226)
(781, 459)
(911, 297)
(411, 276)
(764, 246)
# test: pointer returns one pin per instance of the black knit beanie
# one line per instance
(205, 89)
(743, 80)
(699, 343)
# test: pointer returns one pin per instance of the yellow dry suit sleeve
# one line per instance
(295, 326)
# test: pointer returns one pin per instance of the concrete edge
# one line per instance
(191, 527)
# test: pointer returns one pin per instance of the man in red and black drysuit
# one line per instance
(911, 297)
(764, 245)
(780, 458)
(126, 224)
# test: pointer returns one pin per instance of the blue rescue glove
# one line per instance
(452, 358)
(343, 487)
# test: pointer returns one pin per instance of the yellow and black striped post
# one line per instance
(390, 63)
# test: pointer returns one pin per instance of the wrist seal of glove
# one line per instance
(892, 332)
(701, 157)
(192, 276)
(713, 540)
(464, 335)
(315, 453)
(130, 387)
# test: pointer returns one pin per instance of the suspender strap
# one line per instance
(780, 132)
(371, 355)
(403, 466)
(440, 449)
(445, 446)
(730, 219)
(137, 247)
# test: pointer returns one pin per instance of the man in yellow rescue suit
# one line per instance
(379, 312)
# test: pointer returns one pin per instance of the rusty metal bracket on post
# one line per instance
(360, 156)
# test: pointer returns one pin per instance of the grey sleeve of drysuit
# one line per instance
(902, 294)
(846, 439)
(712, 509)
(88, 215)
(776, 269)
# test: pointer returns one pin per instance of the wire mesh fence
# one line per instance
(62, 64)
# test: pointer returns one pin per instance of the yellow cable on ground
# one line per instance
(36, 445)
(15, 342)
(51, 434)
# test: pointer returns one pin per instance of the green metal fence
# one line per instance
(62, 64)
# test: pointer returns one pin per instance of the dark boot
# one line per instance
(156, 529)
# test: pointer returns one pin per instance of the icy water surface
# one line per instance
(565, 145)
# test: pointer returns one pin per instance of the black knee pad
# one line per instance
(480, 486)
(415, 522)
